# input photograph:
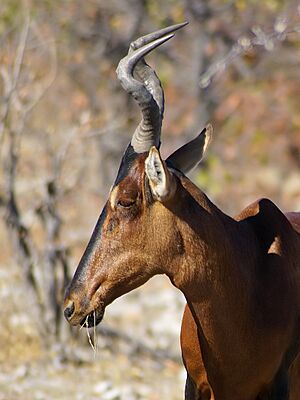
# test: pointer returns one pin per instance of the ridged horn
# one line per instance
(142, 83)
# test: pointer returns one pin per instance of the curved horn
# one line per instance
(147, 91)
(144, 72)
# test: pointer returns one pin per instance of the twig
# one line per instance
(13, 120)
(10, 83)
(244, 44)
(50, 78)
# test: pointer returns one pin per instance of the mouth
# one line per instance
(93, 318)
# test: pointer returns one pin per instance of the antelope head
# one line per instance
(135, 236)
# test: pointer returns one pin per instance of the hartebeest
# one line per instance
(240, 277)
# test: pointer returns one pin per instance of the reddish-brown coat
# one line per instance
(240, 278)
(191, 351)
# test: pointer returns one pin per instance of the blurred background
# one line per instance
(64, 124)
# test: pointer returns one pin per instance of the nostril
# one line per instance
(69, 310)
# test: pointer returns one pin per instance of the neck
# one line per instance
(215, 273)
(214, 269)
(228, 283)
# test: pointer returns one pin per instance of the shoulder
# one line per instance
(267, 221)
(261, 208)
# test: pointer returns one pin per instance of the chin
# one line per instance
(92, 319)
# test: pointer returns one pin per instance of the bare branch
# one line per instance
(14, 117)
(10, 83)
(25, 253)
(20, 53)
(49, 79)
(245, 43)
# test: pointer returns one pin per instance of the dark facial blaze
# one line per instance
(126, 163)
(109, 241)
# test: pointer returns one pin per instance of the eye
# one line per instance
(126, 203)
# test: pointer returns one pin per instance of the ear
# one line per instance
(162, 182)
(189, 155)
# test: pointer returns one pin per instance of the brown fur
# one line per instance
(192, 356)
(241, 279)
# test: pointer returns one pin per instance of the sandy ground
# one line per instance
(144, 363)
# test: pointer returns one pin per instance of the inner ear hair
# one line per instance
(155, 170)
(161, 181)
